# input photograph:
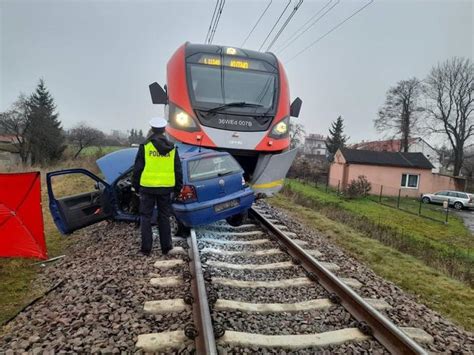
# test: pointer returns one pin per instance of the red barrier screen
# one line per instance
(21, 217)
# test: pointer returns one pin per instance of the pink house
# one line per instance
(389, 172)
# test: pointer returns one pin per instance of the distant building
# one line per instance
(315, 144)
(390, 173)
(415, 145)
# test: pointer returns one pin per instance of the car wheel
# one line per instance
(426, 200)
(458, 205)
(237, 220)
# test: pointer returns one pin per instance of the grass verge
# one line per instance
(448, 248)
(449, 297)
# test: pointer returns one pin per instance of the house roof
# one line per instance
(370, 157)
(389, 145)
(8, 147)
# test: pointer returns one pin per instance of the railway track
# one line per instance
(257, 288)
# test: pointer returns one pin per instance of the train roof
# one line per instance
(192, 48)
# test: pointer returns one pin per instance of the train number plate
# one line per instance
(226, 205)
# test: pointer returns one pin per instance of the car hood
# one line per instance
(114, 164)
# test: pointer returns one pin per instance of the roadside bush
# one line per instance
(358, 188)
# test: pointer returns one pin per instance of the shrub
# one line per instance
(358, 188)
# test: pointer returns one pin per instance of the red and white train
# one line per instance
(232, 99)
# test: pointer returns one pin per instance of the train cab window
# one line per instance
(219, 85)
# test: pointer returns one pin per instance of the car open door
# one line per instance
(84, 200)
(270, 172)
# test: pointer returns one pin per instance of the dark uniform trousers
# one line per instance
(147, 205)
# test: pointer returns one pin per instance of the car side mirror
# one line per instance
(158, 94)
(295, 107)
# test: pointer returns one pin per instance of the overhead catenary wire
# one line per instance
(297, 33)
(212, 21)
(282, 28)
(328, 32)
(276, 23)
(256, 24)
(216, 22)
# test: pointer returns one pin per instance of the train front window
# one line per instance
(216, 85)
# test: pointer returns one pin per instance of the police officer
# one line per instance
(157, 174)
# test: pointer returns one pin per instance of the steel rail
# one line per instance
(205, 340)
(381, 328)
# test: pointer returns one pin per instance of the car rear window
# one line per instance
(212, 167)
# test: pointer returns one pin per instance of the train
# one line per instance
(235, 100)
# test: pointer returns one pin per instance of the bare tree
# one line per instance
(84, 136)
(296, 134)
(17, 122)
(400, 112)
(449, 88)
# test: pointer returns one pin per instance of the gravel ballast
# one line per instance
(99, 306)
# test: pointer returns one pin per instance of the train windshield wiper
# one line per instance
(233, 104)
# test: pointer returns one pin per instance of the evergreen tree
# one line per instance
(336, 139)
(46, 135)
(141, 138)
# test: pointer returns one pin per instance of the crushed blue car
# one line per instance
(213, 189)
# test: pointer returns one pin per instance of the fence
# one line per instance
(407, 200)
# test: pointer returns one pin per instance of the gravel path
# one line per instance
(99, 307)
(406, 311)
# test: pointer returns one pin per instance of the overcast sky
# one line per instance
(98, 57)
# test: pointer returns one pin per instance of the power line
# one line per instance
(297, 35)
(328, 32)
(212, 20)
(276, 23)
(216, 22)
(282, 28)
(258, 21)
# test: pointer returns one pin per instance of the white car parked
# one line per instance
(457, 199)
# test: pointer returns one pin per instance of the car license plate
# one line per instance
(226, 205)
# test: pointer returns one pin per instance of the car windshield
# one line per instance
(212, 167)
(214, 86)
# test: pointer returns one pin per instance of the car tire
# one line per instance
(183, 231)
(458, 205)
(237, 219)
(426, 200)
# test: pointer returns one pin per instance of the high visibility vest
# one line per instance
(159, 169)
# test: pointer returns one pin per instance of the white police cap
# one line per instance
(158, 122)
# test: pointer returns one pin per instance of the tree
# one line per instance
(45, 134)
(296, 134)
(136, 137)
(85, 136)
(336, 139)
(16, 121)
(449, 89)
(400, 112)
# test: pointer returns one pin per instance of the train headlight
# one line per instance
(280, 129)
(182, 120)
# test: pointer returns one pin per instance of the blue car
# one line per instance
(213, 189)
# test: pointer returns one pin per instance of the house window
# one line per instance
(410, 181)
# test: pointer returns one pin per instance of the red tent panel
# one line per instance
(21, 217)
